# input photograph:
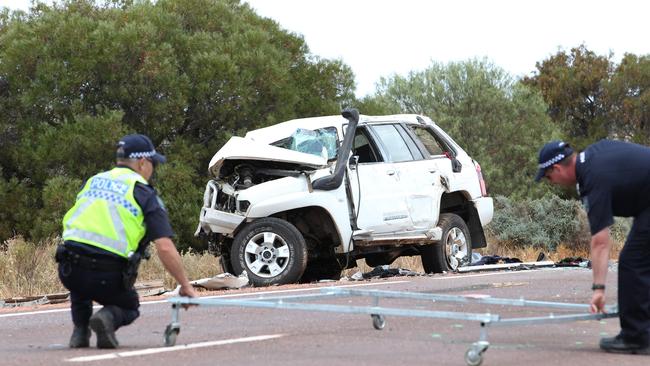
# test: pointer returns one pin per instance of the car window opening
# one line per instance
(321, 142)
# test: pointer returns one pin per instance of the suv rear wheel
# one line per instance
(454, 249)
(271, 251)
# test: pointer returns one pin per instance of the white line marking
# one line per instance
(150, 351)
(34, 312)
(528, 271)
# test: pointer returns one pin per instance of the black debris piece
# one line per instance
(495, 259)
(385, 271)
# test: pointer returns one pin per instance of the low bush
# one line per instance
(545, 224)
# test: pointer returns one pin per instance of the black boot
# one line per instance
(102, 324)
(619, 345)
(80, 337)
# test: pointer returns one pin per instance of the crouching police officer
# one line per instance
(106, 233)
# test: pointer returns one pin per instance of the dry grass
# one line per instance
(28, 269)
(196, 266)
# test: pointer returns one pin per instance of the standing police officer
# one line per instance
(613, 179)
(106, 233)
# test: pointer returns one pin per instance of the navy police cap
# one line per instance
(551, 153)
(137, 146)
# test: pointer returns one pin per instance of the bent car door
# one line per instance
(377, 191)
(418, 175)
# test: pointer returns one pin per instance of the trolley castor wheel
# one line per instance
(474, 354)
(171, 332)
(378, 321)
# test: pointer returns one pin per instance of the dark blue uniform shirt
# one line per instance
(613, 180)
(155, 219)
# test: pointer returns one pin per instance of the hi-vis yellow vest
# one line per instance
(106, 214)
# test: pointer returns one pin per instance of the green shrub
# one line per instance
(181, 189)
(58, 197)
(17, 208)
(544, 222)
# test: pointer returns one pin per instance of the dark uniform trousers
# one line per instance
(102, 283)
(634, 281)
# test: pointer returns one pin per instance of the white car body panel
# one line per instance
(421, 180)
(383, 209)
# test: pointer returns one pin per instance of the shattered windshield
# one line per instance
(320, 142)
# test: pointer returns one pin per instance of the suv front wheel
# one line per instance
(271, 251)
(454, 249)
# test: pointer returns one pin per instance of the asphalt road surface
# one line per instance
(212, 335)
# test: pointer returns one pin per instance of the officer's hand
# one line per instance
(598, 302)
(187, 291)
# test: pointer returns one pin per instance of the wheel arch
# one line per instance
(317, 226)
(460, 203)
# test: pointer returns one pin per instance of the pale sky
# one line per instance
(384, 37)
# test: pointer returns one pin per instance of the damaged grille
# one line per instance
(220, 196)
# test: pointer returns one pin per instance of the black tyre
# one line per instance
(454, 249)
(322, 270)
(226, 263)
(171, 333)
(271, 251)
(224, 259)
(378, 321)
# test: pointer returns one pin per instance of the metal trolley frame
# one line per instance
(473, 355)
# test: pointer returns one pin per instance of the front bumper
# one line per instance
(213, 219)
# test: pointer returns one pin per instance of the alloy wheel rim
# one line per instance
(457, 247)
(266, 254)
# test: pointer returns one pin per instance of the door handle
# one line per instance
(390, 172)
(432, 170)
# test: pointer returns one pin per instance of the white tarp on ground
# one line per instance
(218, 282)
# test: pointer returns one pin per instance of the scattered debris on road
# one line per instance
(511, 266)
(150, 288)
(145, 288)
(574, 262)
(34, 300)
(381, 272)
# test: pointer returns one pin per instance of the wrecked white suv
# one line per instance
(304, 199)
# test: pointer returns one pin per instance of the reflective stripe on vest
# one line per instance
(107, 193)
